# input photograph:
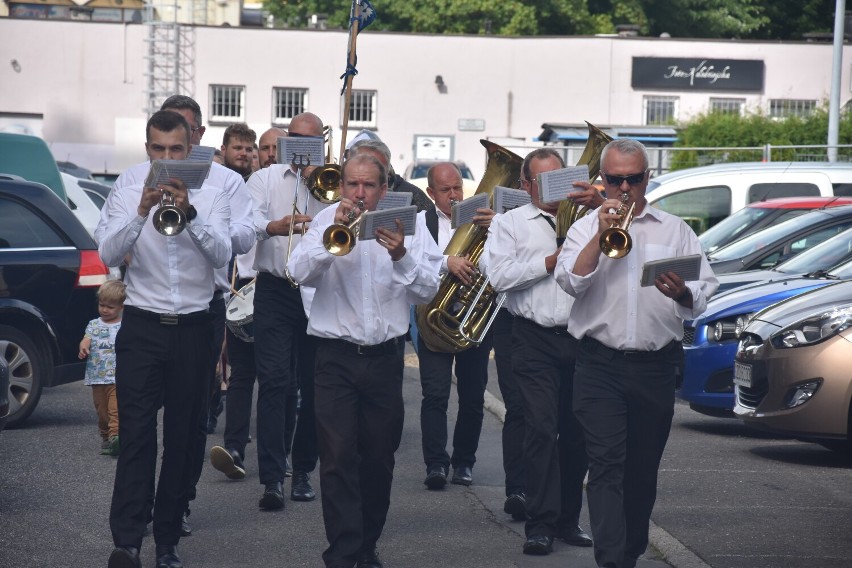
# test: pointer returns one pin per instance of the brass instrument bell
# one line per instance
(340, 239)
(615, 242)
(169, 219)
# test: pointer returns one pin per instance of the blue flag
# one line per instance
(368, 14)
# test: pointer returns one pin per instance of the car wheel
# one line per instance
(26, 368)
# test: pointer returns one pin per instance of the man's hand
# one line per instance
(394, 241)
(588, 195)
(605, 218)
(281, 227)
(483, 217)
(461, 268)
(550, 261)
(346, 209)
(673, 286)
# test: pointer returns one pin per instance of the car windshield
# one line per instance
(730, 228)
(765, 237)
(842, 272)
(821, 257)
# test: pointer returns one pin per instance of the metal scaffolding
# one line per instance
(170, 55)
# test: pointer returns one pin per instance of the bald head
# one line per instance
(267, 148)
(305, 124)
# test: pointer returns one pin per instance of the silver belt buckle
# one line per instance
(169, 319)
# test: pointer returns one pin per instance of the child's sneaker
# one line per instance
(114, 448)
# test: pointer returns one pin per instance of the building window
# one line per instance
(660, 110)
(362, 109)
(287, 102)
(227, 103)
(727, 106)
(782, 108)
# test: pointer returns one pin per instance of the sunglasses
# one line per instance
(631, 179)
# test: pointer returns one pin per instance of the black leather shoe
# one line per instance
(124, 557)
(516, 505)
(273, 497)
(167, 556)
(576, 537)
(228, 462)
(369, 560)
(185, 527)
(436, 477)
(538, 545)
(301, 489)
(462, 475)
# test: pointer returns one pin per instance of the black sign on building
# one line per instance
(685, 74)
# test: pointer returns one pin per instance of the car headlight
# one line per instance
(813, 329)
(728, 328)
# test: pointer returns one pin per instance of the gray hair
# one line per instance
(540, 154)
(369, 158)
(375, 145)
(627, 146)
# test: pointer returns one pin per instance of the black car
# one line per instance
(768, 247)
(4, 392)
(50, 272)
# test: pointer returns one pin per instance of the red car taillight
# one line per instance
(93, 272)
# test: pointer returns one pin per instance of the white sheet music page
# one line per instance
(463, 211)
(556, 185)
(506, 198)
(386, 219)
(394, 199)
(190, 172)
(687, 267)
(201, 153)
(301, 150)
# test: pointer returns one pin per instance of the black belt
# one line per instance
(169, 319)
(389, 347)
(597, 347)
(555, 330)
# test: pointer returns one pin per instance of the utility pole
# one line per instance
(834, 98)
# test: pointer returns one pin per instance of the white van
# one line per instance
(81, 204)
(706, 195)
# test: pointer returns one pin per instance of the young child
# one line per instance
(98, 345)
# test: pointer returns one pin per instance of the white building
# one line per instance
(82, 85)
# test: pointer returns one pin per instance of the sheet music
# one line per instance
(386, 219)
(304, 150)
(394, 199)
(191, 173)
(463, 211)
(556, 185)
(202, 153)
(687, 267)
(506, 198)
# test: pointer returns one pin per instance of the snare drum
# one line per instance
(239, 313)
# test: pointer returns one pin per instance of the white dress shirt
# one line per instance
(364, 297)
(513, 259)
(167, 274)
(611, 305)
(445, 233)
(272, 192)
(241, 225)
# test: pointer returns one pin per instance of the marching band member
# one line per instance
(629, 350)
(165, 349)
(436, 369)
(519, 257)
(359, 316)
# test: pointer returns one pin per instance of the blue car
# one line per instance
(710, 341)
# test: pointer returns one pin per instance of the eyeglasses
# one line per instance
(631, 179)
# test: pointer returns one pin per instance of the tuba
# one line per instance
(440, 321)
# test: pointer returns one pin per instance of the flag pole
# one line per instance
(347, 89)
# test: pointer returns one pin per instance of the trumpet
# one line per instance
(169, 219)
(340, 239)
(615, 242)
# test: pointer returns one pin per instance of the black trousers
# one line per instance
(436, 374)
(359, 416)
(279, 335)
(625, 402)
(157, 366)
(554, 453)
(513, 424)
(240, 391)
(217, 311)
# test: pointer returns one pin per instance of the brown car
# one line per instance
(793, 367)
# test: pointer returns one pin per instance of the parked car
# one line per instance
(710, 341)
(773, 245)
(4, 392)
(80, 203)
(74, 170)
(49, 275)
(762, 214)
(30, 158)
(792, 371)
(416, 172)
(96, 191)
(813, 261)
(704, 196)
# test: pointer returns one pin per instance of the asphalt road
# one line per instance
(728, 498)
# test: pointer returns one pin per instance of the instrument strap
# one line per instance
(550, 221)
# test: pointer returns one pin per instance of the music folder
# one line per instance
(506, 198)
(191, 172)
(395, 199)
(687, 267)
(386, 219)
(303, 151)
(556, 185)
(464, 211)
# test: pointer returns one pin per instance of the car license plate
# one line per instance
(742, 374)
